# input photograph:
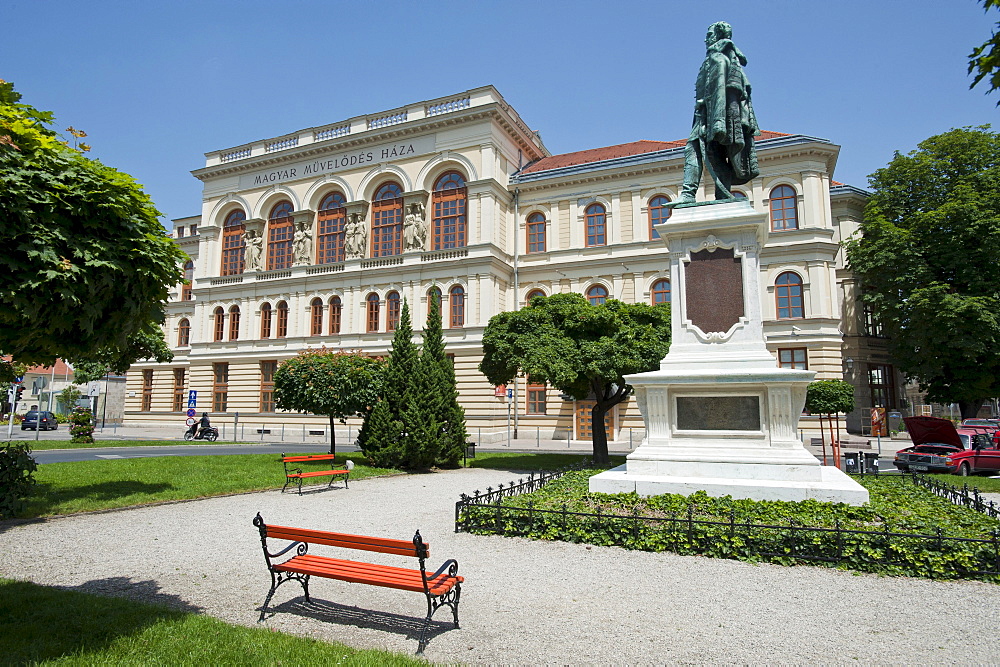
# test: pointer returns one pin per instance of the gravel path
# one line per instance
(523, 601)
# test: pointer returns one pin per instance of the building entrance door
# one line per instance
(585, 419)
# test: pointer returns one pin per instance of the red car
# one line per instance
(939, 447)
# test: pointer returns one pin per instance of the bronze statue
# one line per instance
(724, 123)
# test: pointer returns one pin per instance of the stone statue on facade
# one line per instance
(253, 242)
(724, 123)
(414, 228)
(355, 236)
(302, 243)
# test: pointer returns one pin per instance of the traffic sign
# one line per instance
(191, 413)
(19, 379)
(510, 393)
(192, 398)
(189, 421)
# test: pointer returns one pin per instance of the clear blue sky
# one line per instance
(158, 84)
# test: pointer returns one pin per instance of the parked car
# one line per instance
(31, 420)
(991, 426)
(939, 447)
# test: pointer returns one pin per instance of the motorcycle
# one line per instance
(209, 433)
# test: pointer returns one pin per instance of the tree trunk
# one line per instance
(606, 399)
(970, 409)
(333, 435)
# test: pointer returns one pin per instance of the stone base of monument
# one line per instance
(720, 415)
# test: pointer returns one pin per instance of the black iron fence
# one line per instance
(965, 496)
(935, 555)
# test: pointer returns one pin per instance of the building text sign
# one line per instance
(388, 152)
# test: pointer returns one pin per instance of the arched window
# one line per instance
(783, 213)
(183, 333)
(449, 211)
(531, 295)
(279, 236)
(739, 195)
(188, 277)
(265, 320)
(597, 295)
(234, 323)
(660, 292)
(330, 229)
(596, 217)
(434, 293)
(387, 221)
(232, 243)
(281, 329)
(316, 317)
(456, 307)
(392, 306)
(372, 312)
(658, 214)
(536, 232)
(788, 292)
(220, 324)
(336, 307)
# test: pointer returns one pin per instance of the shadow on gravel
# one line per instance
(39, 623)
(331, 612)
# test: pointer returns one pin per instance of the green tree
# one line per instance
(580, 349)
(928, 263)
(400, 433)
(69, 396)
(323, 382)
(440, 393)
(830, 397)
(87, 265)
(985, 59)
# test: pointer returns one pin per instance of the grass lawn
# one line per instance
(984, 484)
(82, 486)
(41, 625)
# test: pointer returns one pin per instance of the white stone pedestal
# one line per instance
(720, 415)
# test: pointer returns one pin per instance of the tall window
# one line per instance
(336, 308)
(147, 389)
(660, 292)
(596, 218)
(267, 369)
(316, 317)
(597, 295)
(184, 333)
(881, 386)
(531, 295)
(330, 229)
(434, 294)
(232, 243)
(234, 323)
(220, 324)
(179, 393)
(387, 221)
(456, 307)
(188, 277)
(280, 229)
(658, 214)
(265, 320)
(392, 309)
(793, 357)
(449, 211)
(788, 292)
(220, 387)
(372, 312)
(783, 214)
(872, 326)
(282, 325)
(536, 232)
(536, 399)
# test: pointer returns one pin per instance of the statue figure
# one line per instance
(302, 243)
(724, 123)
(253, 242)
(414, 228)
(355, 236)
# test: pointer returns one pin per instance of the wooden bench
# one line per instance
(442, 588)
(298, 475)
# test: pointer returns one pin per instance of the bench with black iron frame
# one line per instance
(298, 475)
(443, 588)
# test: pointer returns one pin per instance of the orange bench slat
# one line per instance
(317, 473)
(307, 458)
(366, 573)
(345, 540)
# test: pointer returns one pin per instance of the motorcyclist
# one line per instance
(203, 424)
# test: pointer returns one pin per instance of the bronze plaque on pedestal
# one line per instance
(713, 291)
(718, 413)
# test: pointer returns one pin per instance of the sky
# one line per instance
(158, 84)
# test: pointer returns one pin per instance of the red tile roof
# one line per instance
(61, 369)
(611, 152)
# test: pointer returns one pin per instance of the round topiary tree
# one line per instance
(82, 425)
(830, 397)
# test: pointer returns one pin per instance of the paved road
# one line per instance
(63, 455)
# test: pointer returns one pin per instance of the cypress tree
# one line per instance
(441, 393)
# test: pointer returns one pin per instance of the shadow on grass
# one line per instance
(47, 499)
(39, 623)
(532, 462)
